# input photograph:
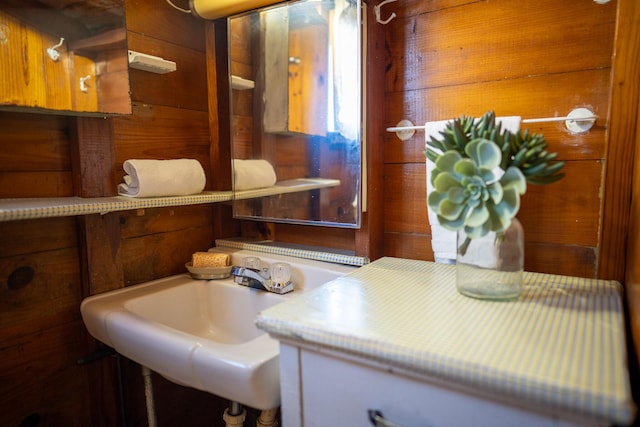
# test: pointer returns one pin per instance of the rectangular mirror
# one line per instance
(296, 107)
(61, 56)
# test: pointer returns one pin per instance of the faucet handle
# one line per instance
(280, 273)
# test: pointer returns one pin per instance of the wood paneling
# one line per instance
(41, 334)
(40, 376)
(181, 88)
(160, 21)
(626, 101)
(498, 40)
(35, 158)
(625, 95)
(527, 97)
(525, 59)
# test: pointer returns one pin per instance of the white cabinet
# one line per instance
(321, 388)
(396, 337)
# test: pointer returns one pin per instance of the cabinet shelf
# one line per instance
(48, 207)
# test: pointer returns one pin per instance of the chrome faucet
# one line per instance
(259, 279)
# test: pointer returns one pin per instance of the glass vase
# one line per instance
(491, 267)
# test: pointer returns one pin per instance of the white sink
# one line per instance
(201, 333)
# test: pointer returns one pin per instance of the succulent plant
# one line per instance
(473, 193)
(481, 171)
(524, 150)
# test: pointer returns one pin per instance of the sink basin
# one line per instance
(201, 333)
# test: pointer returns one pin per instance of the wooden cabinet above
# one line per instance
(68, 59)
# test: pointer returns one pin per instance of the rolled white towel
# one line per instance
(251, 174)
(155, 178)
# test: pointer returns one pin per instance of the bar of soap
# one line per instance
(209, 259)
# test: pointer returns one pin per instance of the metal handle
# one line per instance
(378, 420)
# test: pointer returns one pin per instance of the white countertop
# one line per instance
(561, 345)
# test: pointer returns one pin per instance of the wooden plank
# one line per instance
(58, 78)
(40, 376)
(623, 130)
(100, 248)
(568, 260)
(87, 99)
(503, 40)
(565, 212)
(32, 236)
(92, 156)
(34, 142)
(43, 289)
(527, 97)
(113, 81)
(408, 245)
(22, 65)
(405, 207)
(338, 238)
(183, 88)
(35, 184)
(160, 255)
(370, 237)
(540, 257)
(160, 21)
(153, 221)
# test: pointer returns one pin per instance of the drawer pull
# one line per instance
(378, 420)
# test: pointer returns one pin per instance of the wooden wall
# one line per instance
(47, 266)
(444, 58)
(436, 60)
(525, 58)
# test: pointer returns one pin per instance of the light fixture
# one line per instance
(214, 9)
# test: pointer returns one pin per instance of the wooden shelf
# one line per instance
(33, 208)
(289, 186)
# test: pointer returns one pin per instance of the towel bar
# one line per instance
(577, 121)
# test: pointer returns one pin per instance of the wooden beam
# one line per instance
(369, 239)
(623, 114)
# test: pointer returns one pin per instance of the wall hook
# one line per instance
(376, 11)
(83, 80)
(53, 53)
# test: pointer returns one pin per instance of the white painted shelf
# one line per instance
(289, 186)
(33, 208)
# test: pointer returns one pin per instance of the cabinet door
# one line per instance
(340, 392)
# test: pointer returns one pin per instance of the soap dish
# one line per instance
(208, 273)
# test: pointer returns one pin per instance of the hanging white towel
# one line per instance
(443, 241)
(252, 174)
(156, 178)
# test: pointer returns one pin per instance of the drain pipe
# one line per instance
(234, 415)
(148, 393)
(267, 418)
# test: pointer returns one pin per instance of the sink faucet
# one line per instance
(259, 279)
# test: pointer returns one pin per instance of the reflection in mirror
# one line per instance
(63, 56)
(296, 103)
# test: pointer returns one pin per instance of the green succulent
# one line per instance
(481, 171)
(524, 150)
(473, 193)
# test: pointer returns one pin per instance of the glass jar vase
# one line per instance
(491, 267)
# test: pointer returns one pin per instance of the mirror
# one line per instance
(296, 106)
(61, 56)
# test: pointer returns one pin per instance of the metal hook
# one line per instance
(83, 86)
(376, 11)
(53, 53)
